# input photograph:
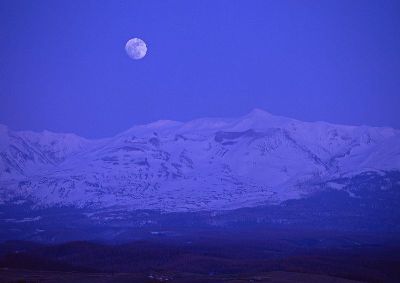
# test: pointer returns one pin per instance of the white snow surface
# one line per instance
(204, 164)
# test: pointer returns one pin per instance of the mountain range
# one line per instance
(202, 165)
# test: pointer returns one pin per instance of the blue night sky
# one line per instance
(63, 66)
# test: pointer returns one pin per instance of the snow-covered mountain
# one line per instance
(205, 164)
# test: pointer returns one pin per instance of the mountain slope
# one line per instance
(205, 164)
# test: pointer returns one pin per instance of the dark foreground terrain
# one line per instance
(330, 236)
(218, 256)
(61, 277)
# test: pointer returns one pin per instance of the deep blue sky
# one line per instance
(63, 66)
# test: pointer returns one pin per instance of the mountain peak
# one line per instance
(257, 112)
(163, 123)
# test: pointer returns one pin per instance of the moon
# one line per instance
(136, 48)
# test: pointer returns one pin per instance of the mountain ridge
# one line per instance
(208, 163)
(253, 112)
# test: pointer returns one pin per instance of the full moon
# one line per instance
(136, 48)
